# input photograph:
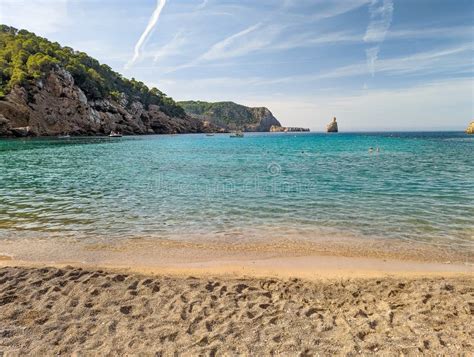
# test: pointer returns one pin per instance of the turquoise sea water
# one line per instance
(419, 186)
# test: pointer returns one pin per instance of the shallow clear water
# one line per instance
(420, 186)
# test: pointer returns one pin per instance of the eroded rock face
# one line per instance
(5, 129)
(265, 120)
(332, 127)
(55, 105)
(470, 128)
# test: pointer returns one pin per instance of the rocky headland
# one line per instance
(231, 116)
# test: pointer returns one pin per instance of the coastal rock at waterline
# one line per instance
(470, 128)
(55, 105)
(332, 127)
(4, 126)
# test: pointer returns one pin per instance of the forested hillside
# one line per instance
(26, 57)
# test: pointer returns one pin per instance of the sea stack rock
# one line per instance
(332, 127)
(470, 128)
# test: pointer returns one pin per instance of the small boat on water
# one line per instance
(115, 134)
(210, 134)
(66, 136)
(237, 134)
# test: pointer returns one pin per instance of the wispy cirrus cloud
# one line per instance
(436, 62)
(240, 43)
(146, 33)
(310, 39)
(421, 63)
(267, 35)
(173, 47)
(322, 9)
(236, 45)
(381, 12)
(202, 5)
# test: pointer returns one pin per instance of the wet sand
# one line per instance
(281, 258)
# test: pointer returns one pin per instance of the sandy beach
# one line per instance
(161, 298)
(50, 311)
(236, 178)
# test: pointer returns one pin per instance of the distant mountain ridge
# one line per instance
(231, 116)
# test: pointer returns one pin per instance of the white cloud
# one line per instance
(455, 32)
(339, 8)
(310, 39)
(171, 48)
(40, 16)
(237, 44)
(381, 12)
(323, 9)
(372, 56)
(423, 62)
(202, 5)
(146, 33)
(266, 35)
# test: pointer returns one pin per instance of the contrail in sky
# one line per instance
(381, 12)
(151, 24)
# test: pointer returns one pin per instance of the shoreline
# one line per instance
(281, 259)
(309, 268)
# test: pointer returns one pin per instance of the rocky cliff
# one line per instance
(470, 128)
(48, 89)
(56, 105)
(231, 116)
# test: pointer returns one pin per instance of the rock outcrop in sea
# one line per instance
(332, 127)
(286, 129)
(470, 128)
(55, 105)
(231, 116)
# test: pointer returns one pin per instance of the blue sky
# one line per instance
(376, 65)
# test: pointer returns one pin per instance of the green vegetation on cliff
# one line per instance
(25, 57)
(223, 113)
(231, 115)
